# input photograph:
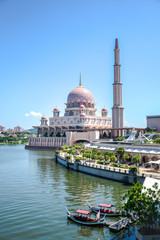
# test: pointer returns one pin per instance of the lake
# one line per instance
(34, 190)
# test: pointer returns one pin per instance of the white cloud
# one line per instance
(32, 113)
(128, 124)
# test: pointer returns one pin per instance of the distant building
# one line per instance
(153, 121)
(18, 129)
(2, 128)
(10, 130)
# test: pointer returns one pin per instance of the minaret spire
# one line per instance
(80, 84)
(116, 44)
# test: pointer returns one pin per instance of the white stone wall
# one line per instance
(47, 141)
(79, 121)
(87, 136)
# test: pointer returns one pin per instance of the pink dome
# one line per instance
(104, 110)
(56, 109)
(82, 106)
(80, 94)
(82, 115)
(43, 118)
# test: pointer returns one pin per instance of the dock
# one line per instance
(108, 223)
(121, 224)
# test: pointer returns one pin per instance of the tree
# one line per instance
(157, 140)
(136, 159)
(108, 155)
(120, 152)
(125, 157)
(143, 203)
(120, 138)
(113, 159)
(149, 129)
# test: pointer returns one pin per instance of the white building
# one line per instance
(80, 122)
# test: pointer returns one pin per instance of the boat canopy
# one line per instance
(83, 212)
(105, 205)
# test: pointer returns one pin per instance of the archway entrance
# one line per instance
(80, 141)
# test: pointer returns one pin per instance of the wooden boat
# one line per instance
(82, 217)
(105, 209)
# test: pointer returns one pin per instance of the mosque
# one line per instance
(80, 122)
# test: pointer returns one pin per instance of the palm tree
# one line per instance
(113, 159)
(136, 159)
(120, 152)
(125, 157)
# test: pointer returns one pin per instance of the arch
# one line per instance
(81, 141)
(58, 134)
(46, 134)
(52, 134)
(154, 158)
(144, 159)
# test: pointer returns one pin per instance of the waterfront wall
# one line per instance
(121, 175)
(46, 142)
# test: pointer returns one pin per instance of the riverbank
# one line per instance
(34, 190)
(121, 175)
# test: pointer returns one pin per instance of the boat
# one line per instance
(82, 217)
(105, 209)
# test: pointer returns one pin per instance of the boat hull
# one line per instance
(96, 223)
(96, 210)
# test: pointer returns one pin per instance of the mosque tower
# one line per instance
(117, 109)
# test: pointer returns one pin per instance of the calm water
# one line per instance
(34, 190)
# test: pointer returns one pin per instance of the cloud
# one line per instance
(128, 124)
(33, 114)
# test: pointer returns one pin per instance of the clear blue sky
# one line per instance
(45, 44)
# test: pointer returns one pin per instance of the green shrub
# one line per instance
(120, 138)
(123, 166)
(106, 163)
(88, 151)
(157, 140)
(73, 152)
(100, 162)
(134, 168)
(78, 158)
(114, 164)
(57, 151)
(65, 150)
(68, 156)
(64, 147)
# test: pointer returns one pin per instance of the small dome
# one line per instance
(82, 106)
(82, 115)
(43, 118)
(104, 110)
(80, 95)
(56, 109)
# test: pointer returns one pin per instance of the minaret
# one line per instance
(117, 109)
(80, 84)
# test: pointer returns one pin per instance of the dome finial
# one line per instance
(80, 81)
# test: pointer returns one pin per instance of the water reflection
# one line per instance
(35, 189)
(78, 187)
